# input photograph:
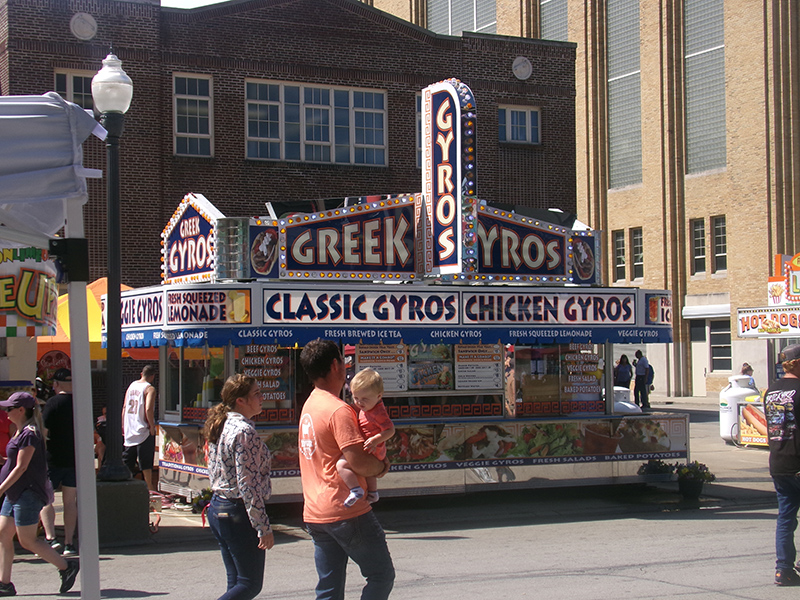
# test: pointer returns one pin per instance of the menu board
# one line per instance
(389, 360)
(270, 365)
(581, 373)
(430, 367)
(479, 366)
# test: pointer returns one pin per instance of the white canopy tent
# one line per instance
(42, 189)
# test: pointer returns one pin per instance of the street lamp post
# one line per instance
(112, 91)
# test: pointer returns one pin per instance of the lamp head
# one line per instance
(112, 89)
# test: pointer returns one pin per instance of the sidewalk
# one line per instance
(742, 472)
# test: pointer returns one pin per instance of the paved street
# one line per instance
(616, 542)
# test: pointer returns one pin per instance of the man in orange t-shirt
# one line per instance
(328, 431)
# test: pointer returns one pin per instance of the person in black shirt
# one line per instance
(782, 404)
(58, 421)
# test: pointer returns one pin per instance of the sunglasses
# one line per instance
(10, 408)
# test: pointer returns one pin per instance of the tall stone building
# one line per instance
(687, 152)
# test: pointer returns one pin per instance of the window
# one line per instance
(698, 228)
(553, 16)
(624, 94)
(76, 87)
(452, 17)
(719, 333)
(720, 244)
(618, 238)
(697, 330)
(519, 125)
(704, 64)
(637, 253)
(315, 124)
(193, 125)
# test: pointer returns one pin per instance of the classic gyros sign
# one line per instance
(356, 307)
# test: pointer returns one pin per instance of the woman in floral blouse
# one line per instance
(239, 469)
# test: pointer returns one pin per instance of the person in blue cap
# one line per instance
(23, 480)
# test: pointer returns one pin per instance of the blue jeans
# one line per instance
(238, 541)
(361, 539)
(788, 489)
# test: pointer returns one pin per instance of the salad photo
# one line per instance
(411, 444)
(549, 439)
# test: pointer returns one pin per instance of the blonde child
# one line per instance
(377, 427)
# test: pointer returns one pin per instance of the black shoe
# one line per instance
(68, 576)
(787, 577)
(55, 544)
(69, 551)
(7, 589)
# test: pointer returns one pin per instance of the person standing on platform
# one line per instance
(641, 387)
(58, 421)
(782, 405)
(329, 431)
(139, 425)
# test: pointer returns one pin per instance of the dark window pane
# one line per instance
(697, 330)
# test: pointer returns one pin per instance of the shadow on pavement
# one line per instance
(696, 415)
(440, 514)
(114, 593)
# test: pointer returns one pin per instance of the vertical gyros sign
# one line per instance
(448, 172)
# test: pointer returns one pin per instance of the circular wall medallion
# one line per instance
(522, 68)
(83, 26)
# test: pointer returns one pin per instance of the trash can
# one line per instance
(730, 398)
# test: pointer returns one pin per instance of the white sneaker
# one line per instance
(356, 494)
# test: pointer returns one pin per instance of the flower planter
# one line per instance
(690, 489)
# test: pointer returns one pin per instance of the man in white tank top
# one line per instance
(139, 426)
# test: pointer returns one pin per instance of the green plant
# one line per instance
(655, 466)
(694, 471)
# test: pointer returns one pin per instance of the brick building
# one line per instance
(251, 101)
(687, 153)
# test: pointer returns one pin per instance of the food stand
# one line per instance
(488, 325)
(779, 324)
